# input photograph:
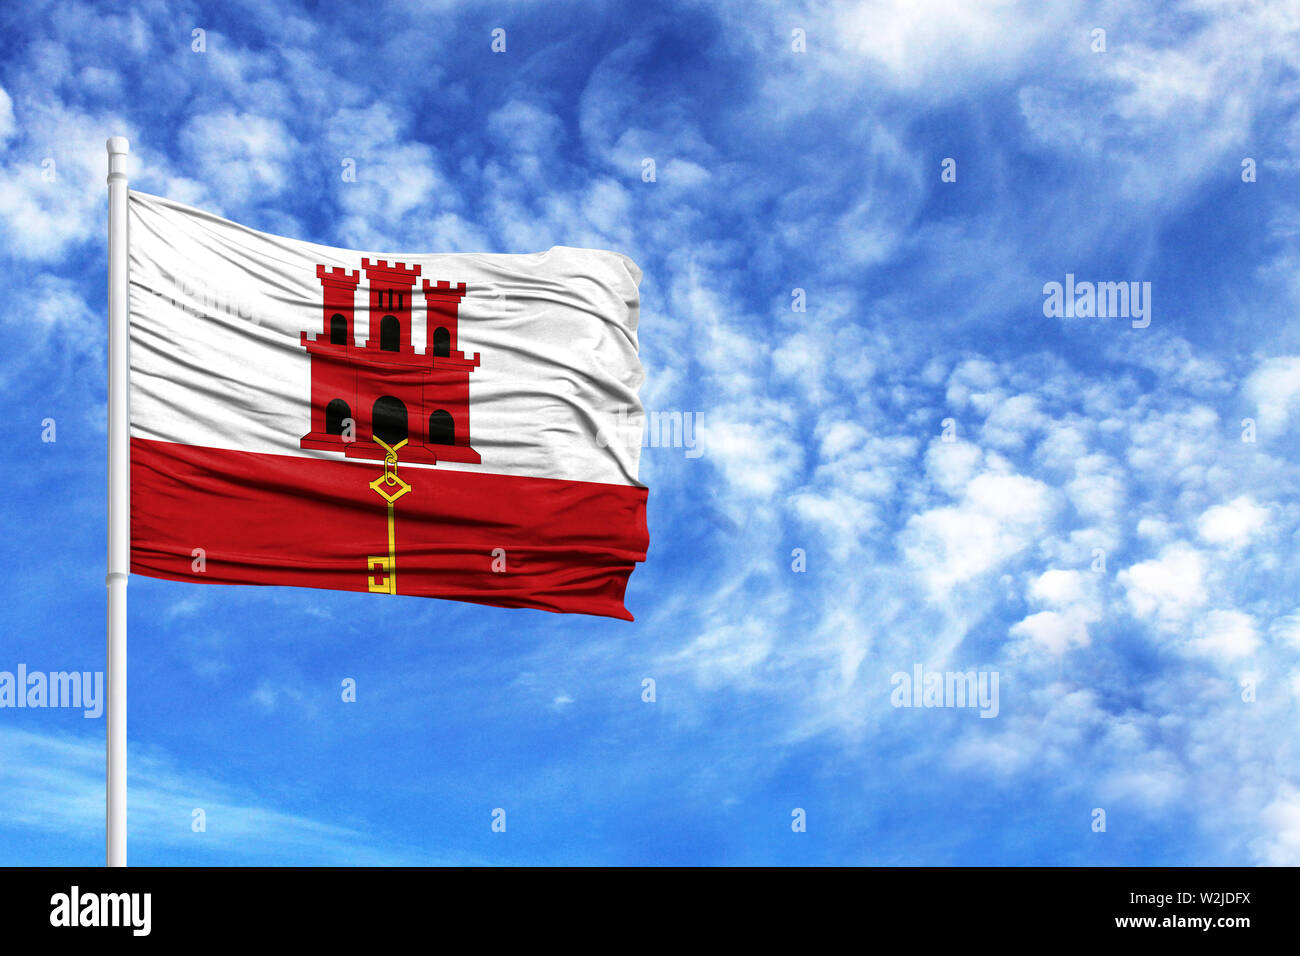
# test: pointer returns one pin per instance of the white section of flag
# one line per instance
(216, 357)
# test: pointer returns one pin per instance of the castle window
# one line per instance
(441, 341)
(338, 330)
(390, 334)
(442, 428)
(388, 419)
(335, 414)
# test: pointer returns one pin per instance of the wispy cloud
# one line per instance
(55, 783)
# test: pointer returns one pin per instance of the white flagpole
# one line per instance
(119, 497)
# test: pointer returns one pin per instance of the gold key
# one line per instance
(381, 571)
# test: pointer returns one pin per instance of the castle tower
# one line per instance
(442, 304)
(446, 391)
(339, 308)
(390, 304)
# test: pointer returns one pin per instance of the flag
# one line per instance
(451, 426)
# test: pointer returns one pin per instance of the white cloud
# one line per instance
(52, 179)
(727, 653)
(1274, 387)
(1226, 635)
(243, 157)
(1287, 630)
(758, 461)
(951, 465)
(1054, 631)
(1233, 524)
(1071, 598)
(1013, 421)
(525, 129)
(912, 41)
(6, 116)
(999, 516)
(1281, 819)
(1167, 589)
(1059, 587)
(399, 186)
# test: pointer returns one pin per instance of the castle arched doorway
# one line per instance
(388, 419)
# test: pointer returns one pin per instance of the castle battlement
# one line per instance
(442, 288)
(397, 272)
(338, 276)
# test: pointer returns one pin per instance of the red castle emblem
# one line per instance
(395, 394)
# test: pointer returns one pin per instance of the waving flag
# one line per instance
(432, 425)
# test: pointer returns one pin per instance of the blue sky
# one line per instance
(1121, 688)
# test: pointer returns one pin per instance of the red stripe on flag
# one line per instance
(285, 520)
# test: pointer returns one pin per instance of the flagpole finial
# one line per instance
(118, 144)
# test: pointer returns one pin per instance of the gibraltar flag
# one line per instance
(433, 425)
